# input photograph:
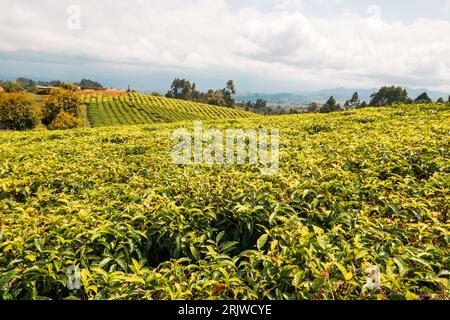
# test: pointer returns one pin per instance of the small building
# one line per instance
(44, 89)
(92, 88)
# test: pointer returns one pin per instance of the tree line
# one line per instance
(386, 96)
(261, 106)
(185, 90)
(30, 85)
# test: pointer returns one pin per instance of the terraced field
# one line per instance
(136, 108)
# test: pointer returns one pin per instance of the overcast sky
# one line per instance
(264, 45)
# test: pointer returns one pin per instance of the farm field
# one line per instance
(359, 189)
(137, 108)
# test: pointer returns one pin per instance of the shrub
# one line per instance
(59, 100)
(10, 86)
(64, 120)
(69, 86)
(18, 112)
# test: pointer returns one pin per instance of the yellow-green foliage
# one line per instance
(136, 108)
(355, 189)
(59, 100)
(18, 112)
(69, 86)
(65, 120)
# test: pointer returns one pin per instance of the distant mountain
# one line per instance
(276, 98)
(321, 96)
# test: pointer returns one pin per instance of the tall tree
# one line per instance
(195, 95)
(423, 98)
(354, 101)
(180, 89)
(330, 106)
(228, 94)
(313, 107)
(387, 96)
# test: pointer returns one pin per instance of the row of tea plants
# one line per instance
(135, 108)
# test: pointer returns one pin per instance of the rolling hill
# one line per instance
(136, 108)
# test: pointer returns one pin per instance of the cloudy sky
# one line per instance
(264, 45)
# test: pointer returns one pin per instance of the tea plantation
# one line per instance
(358, 189)
(136, 108)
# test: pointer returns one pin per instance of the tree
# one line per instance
(26, 84)
(313, 107)
(59, 100)
(260, 104)
(228, 94)
(54, 83)
(180, 89)
(216, 98)
(363, 105)
(10, 86)
(440, 100)
(387, 96)
(347, 104)
(330, 106)
(184, 90)
(354, 102)
(423, 98)
(89, 84)
(448, 99)
(18, 112)
(195, 94)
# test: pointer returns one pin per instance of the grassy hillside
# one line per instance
(135, 108)
(355, 189)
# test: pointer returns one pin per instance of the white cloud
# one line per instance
(280, 44)
(288, 5)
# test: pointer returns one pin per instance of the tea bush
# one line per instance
(350, 194)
